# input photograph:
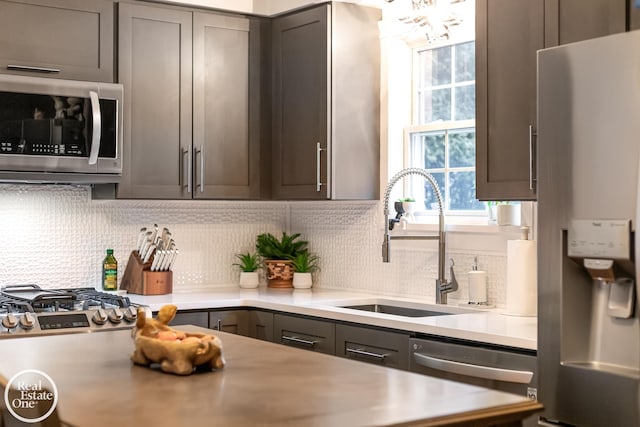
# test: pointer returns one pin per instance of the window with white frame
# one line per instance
(441, 138)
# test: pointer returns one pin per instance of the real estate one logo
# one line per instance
(31, 396)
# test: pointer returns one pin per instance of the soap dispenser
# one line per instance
(477, 285)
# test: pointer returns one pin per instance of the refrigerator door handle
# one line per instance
(470, 370)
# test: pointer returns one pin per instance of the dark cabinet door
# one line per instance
(196, 318)
(261, 325)
(231, 321)
(568, 21)
(227, 155)
(300, 104)
(66, 39)
(155, 67)
(508, 34)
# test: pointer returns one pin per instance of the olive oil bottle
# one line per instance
(110, 272)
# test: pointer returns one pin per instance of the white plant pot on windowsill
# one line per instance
(302, 280)
(249, 279)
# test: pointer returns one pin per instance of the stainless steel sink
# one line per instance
(398, 311)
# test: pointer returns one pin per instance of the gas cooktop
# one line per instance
(29, 310)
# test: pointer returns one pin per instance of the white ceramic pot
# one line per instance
(508, 214)
(249, 279)
(302, 280)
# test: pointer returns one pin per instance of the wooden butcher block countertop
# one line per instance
(262, 384)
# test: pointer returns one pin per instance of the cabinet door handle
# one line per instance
(187, 152)
(299, 340)
(360, 352)
(470, 370)
(201, 153)
(319, 151)
(218, 326)
(97, 125)
(532, 179)
(29, 68)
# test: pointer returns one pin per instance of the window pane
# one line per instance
(430, 199)
(435, 67)
(462, 148)
(465, 102)
(462, 191)
(465, 62)
(432, 149)
(435, 105)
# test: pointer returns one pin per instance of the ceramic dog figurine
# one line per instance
(176, 351)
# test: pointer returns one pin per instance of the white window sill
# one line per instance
(476, 225)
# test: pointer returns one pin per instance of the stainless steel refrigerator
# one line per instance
(588, 153)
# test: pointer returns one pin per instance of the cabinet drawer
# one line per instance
(390, 349)
(309, 334)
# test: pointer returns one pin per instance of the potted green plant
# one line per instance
(248, 264)
(304, 264)
(277, 255)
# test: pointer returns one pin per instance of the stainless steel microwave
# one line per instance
(61, 131)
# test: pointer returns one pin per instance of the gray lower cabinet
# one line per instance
(196, 318)
(191, 127)
(261, 325)
(231, 321)
(326, 77)
(66, 39)
(301, 332)
(390, 349)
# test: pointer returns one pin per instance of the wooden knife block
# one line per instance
(138, 279)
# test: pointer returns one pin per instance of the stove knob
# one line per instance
(115, 316)
(27, 321)
(10, 321)
(100, 317)
(130, 314)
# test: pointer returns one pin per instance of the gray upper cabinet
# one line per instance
(155, 67)
(568, 21)
(508, 33)
(66, 39)
(326, 100)
(226, 144)
(171, 59)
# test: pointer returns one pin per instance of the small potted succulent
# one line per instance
(304, 264)
(248, 264)
(277, 254)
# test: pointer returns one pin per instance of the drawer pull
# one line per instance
(360, 352)
(299, 340)
(14, 67)
(470, 370)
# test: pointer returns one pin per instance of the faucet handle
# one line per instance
(453, 284)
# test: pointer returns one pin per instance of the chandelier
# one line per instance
(436, 19)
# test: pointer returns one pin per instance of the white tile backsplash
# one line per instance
(56, 236)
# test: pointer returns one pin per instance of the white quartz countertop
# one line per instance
(467, 323)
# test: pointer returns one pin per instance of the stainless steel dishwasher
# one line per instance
(495, 367)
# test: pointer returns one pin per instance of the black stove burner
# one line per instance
(32, 298)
